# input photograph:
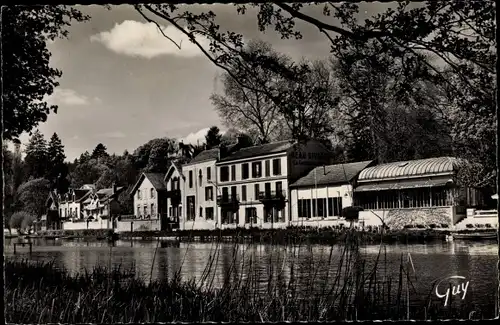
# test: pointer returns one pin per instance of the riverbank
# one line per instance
(40, 293)
(292, 235)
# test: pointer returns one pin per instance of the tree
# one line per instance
(251, 110)
(154, 155)
(36, 160)
(56, 157)
(32, 196)
(27, 75)
(99, 152)
(84, 157)
(21, 220)
(87, 173)
(213, 137)
(460, 34)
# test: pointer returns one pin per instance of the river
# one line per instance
(313, 266)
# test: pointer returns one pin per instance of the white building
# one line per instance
(149, 193)
(317, 199)
(199, 196)
(174, 180)
(252, 183)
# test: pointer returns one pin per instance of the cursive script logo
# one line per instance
(460, 288)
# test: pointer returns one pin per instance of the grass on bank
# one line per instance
(40, 293)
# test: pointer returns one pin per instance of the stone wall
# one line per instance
(101, 224)
(398, 218)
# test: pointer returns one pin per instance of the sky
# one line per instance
(124, 84)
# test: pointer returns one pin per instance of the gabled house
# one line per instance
(99, 205)
(51, 220)
(71, 204)
(174, 180)
(149, 195)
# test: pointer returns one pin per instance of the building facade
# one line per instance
(252, 183)
(199, 191)
(417, 192)
(317, 199)
(174, 181)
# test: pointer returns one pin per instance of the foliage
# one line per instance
(213, 137)
(87, 173)
(27, 75)
(154, 156)
(21, 220)
(32, 196)
(36, 160)
(99, 152)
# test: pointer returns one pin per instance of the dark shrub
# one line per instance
(420, 226)
(488, 225)
(478, 225)
(469, 225)
(408, 226)
(433, 225)
(444, 225)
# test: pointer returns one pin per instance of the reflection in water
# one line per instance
(309, 266)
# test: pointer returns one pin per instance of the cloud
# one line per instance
(198, 136)
(67, 97)
(136, 39)
(115, 134)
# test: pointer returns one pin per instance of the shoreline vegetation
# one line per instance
(292, 235)
(41, 293)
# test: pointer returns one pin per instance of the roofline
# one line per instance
(270, 155)
(405, 177)
(200, 161)
(323, 184)
(139, 181)
(172, 164)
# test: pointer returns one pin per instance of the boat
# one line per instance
(475, 235)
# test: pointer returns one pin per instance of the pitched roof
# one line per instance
(265, 149)
(81, 194)
(205, 155)
(332, 174)
(157, 180)
(106, 193)
(409, 168)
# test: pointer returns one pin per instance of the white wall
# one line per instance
(146, 198)
(398, 218)
(342, 191)
(100, 224)
(138, 225)
(198, 191)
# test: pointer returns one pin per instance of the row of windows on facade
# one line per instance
(271, 214)
(145, 209)
(74, 213)
(209, 191)
(245, 172)
(397, 199)
(256, 170)
(151, 194)
(322, 207)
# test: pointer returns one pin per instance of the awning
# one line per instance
(402, 184)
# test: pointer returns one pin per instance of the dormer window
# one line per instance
(139, 194)
(152, 193)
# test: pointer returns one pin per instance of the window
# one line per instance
(257, 169)
(334, 206)
(152, 193)
(201, 212)
(233, 172)
(145, 210)
(71, 211)
(319, 207)
(200, 177)
(153, 212)
(224, 174)
(209, 213)
(245, 171)
(209, 193)
(190, 179)
(170, 212)
(233, 193)
(225, 194)
(190, 208)
(267, 188)
(277, 166)
(268, 167)
(251, 215)
(60, 213)
(279, 188)
(256, 188)
(172, 184)
(304, 207)
(65, 212)
(243, 193)
(209, 173)
(139, 194)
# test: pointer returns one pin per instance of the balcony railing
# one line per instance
(272, 195)
(228, 199)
